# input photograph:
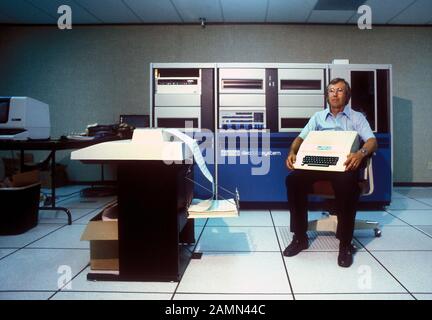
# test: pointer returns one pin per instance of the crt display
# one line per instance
(4, 111)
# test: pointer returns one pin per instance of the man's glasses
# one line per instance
(337, 91)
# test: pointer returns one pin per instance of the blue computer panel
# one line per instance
(255, 165)
(262, 180)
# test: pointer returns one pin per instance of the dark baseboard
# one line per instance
(312, 205)
(94, 183)
(412, 184)
(395, 184)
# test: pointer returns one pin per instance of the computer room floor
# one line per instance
(242, 258)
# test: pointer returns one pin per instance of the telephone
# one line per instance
(122, 130)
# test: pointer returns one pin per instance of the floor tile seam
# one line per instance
(233, 293)
(282, 257)
(416, 199)
(404, 209)
(24, 247)
(25, 290)
(353, 293)
(238, 226)
(85, 215)
(73, 221)
(57, 248)
(42, 248)
(386, 269)
(411, 225)
(193, 251)
(67, 197)
(305, 251)
(400, 225)
(114, 291)
(398, 218)
(93, 209)
(70, 281)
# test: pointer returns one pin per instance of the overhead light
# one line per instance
(337, 5)
(203, 22)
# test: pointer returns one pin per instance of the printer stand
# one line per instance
(153, 198)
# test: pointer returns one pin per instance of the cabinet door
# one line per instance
(363, 95)
(363, 91)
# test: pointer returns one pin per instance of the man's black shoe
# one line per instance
(345, 257)
(296, 246)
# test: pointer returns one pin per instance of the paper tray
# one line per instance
(214, 209)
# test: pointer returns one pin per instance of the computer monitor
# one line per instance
(4, 110)
(23, 118)
(136, 120)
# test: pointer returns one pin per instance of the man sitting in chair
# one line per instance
(339, 116)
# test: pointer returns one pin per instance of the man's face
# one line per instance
(337, 95)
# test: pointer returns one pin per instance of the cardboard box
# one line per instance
(103, 237)
(21, 179)
(61, 177)
(25, 178)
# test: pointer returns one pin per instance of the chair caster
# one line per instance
(377, 232)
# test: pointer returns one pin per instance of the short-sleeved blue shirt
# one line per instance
(347, 120)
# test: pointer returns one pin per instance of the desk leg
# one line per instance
(53, 187)
(53, 191)
(53, 208)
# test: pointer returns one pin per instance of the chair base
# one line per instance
(329, 224)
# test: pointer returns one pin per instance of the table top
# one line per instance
(51, 144)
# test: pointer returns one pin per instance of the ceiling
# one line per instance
(384, 12)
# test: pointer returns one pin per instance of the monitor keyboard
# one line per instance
(320, 161)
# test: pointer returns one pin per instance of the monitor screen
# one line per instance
(4, 110)
(136, 120)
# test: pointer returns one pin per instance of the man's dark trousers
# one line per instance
(346, 189)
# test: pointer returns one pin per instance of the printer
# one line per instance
(23, 118)
(146, 144)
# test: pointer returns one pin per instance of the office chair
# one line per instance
(324, 189)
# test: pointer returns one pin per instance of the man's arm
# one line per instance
(371, 145)
(354, 159)
(295, 146)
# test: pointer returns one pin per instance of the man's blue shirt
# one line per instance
(347, 120)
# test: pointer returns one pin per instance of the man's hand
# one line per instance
(353, 161)
(295, 146)
(290, 161)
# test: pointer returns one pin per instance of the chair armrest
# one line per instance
(368, 175)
